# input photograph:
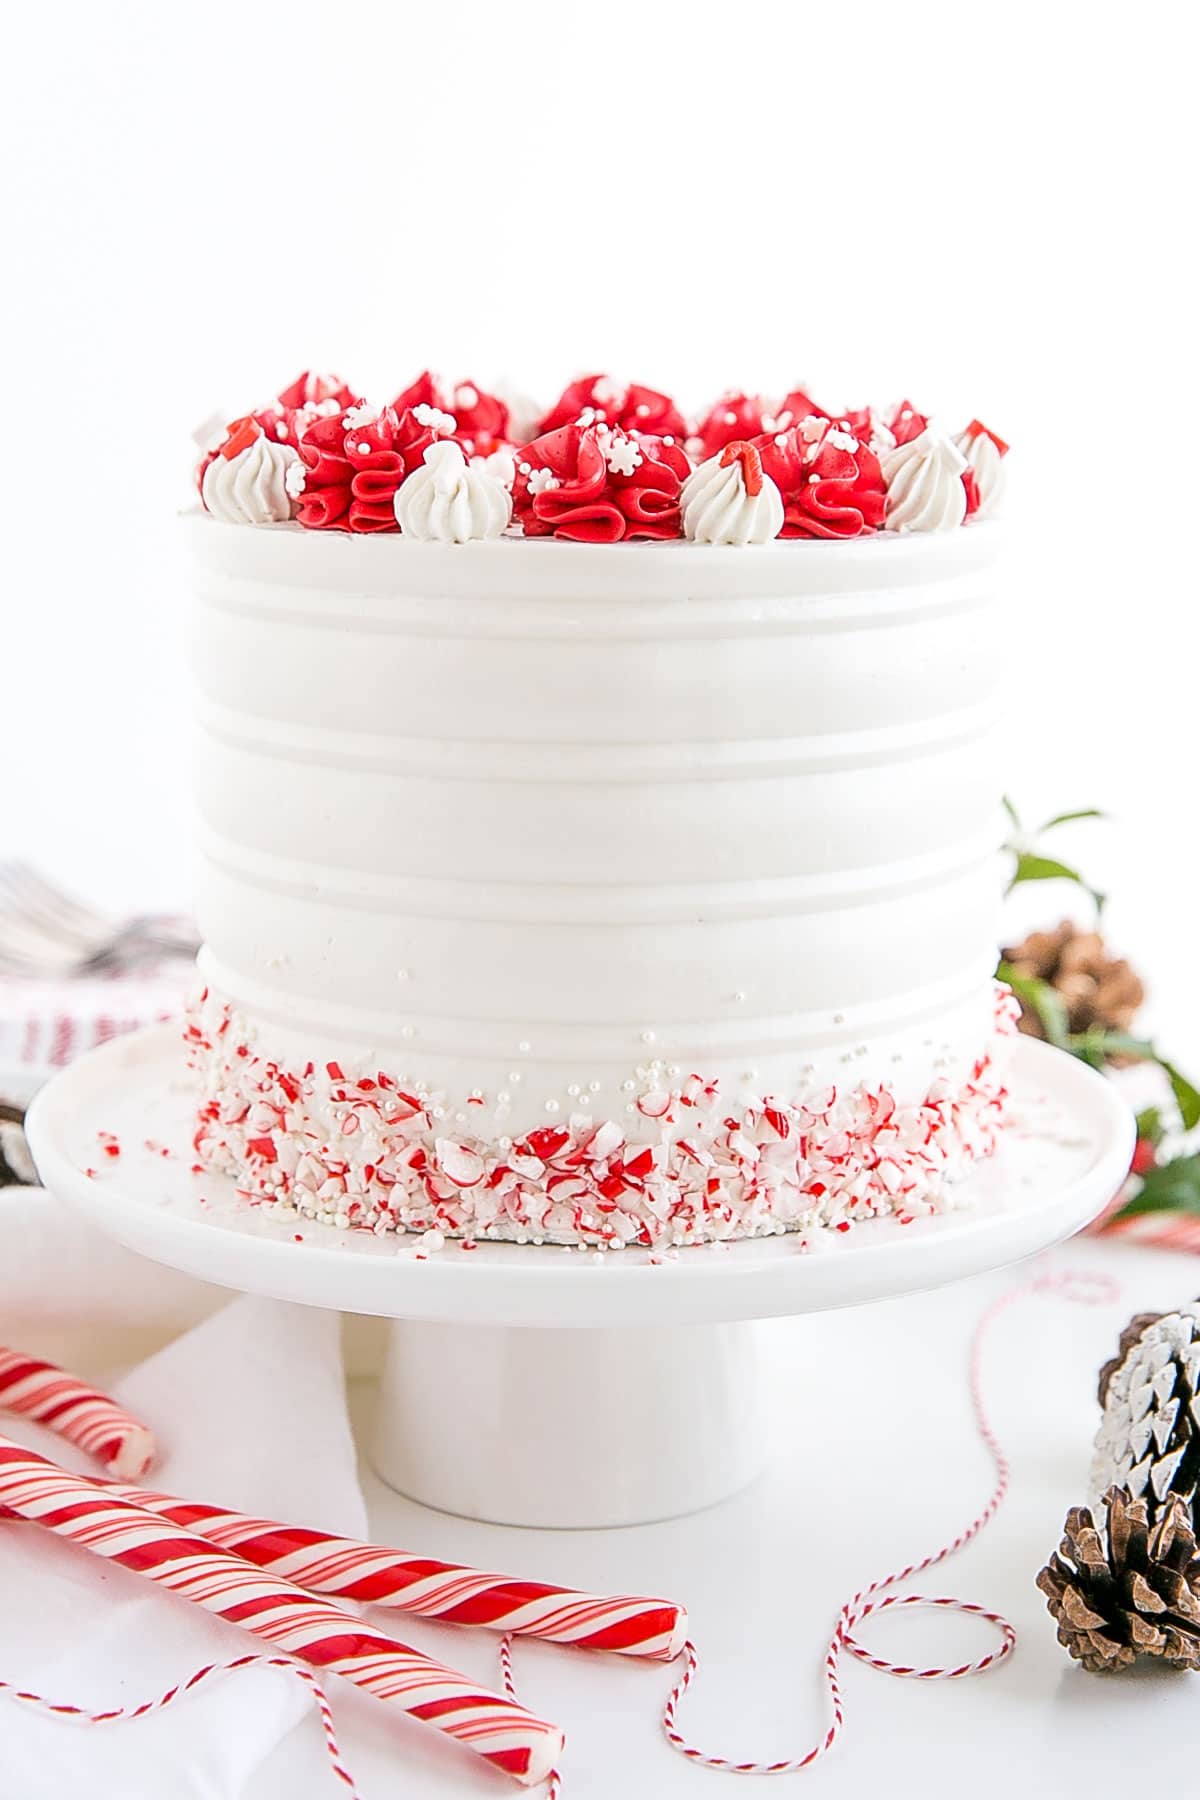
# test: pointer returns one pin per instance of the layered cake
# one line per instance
(599, 819)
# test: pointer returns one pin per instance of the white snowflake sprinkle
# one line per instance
(294, 477)
(811, 428)
(622, 456)
(541, 481)
(358, 416)
(842, 440)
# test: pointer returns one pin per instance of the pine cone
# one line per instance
(1096, 988)
(1149, 1437)
(1133, 1590)
(16, 1164)
(1128, 1339)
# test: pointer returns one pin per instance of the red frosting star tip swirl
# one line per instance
(355, 460)
(597, 486)
(311, 388)
(598, 399)
(832, 486)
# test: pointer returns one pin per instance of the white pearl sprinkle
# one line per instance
(593, 1087)
(552, 1106)
(406, 1031)
(628, 1086)
(401, 974)
(573, 1089)
(523, 1046)
(739, 996)
(514, 1075)
(647, 1037)
(503, 1099)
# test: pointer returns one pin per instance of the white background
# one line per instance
(988, 208)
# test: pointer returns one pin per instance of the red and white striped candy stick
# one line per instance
(91, 1514)
(448, 1592)
(77, 1412)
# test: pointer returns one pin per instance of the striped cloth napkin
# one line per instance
(45, 1024)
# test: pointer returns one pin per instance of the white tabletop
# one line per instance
(877, 1462)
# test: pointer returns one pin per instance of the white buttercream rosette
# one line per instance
(451, 501)
(729, 500)
(255, 486)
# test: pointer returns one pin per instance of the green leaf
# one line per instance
(1067, 818)
(1150, 1128)
(1011, 810)
(1175, 1187)
(1033, 867)
(1187, 1098)
(1045, 1001)
(1097, 1046)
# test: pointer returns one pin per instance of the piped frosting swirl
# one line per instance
(728, 500)
(984, 451)
(449, 501)
(246, 483)
(924, 483)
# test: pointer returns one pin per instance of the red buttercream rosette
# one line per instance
(829, 489)
(798, 405)
(598, 486)
(312, 388)
(354, 461)
(480, 419)
(905, 423)
(732, 419)
(599, 399)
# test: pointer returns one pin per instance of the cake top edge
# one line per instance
(447, 463)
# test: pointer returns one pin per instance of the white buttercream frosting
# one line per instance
(925, 489)
(251, 488)
(981, 452)
(450, 501)
(719, 509)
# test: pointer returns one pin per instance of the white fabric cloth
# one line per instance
(236, 1402)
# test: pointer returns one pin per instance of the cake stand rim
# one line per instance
(237, 1246)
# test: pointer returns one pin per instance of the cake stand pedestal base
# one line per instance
(569, 1428)
(531, 1385)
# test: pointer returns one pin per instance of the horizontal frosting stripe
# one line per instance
(615, 903)
(550, 570)
(476, 1040)
(491, 759)
(629, 618)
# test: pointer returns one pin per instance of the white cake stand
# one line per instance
(540, 1386)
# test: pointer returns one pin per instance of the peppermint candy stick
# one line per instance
(91, 1514)
(77, 1412)
(448, 1592)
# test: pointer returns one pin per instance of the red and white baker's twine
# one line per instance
(95, 1516)
(877, 1597)
(121, 1714)
(126, 1523)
